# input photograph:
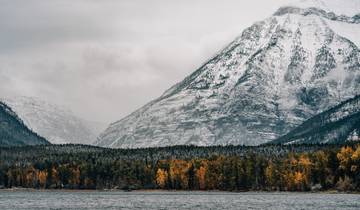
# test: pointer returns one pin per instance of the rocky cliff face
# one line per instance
(275, 75)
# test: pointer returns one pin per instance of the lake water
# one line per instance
(174, 200)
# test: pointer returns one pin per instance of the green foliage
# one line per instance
(232, 168)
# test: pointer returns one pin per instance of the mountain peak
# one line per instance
(278, 73)
(341, 7)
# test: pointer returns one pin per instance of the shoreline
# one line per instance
(171, 191)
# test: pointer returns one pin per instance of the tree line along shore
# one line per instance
(228, 168)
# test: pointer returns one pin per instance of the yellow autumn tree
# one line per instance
(200, 175)
(356, 154)
(299, 180)
(31, 177)
(179, 173)
(161, 178)
(344, 157)
(42, 175)
(355, 159)
(305, 166)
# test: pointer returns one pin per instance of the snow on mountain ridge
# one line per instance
(278, 73)
(316, 11)
(341, 7)
(346, 26)
(56, 123)
(14, 132)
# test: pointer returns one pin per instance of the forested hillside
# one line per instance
(13, 132)
(338, 124)
(233, 168)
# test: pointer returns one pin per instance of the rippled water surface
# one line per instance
(174, 200)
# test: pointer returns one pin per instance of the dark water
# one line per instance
(174, 200)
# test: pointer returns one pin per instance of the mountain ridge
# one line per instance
(341, 7)
(13, 132)
(336, 125)
(278, 73)
(56, 123)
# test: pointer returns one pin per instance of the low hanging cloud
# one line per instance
(104, 59)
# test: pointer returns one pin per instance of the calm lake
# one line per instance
(174, 200)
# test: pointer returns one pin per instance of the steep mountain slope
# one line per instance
(278, 73)
(55, 123)
(13, 132)
(337, 125)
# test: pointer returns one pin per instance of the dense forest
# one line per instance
(231, 168)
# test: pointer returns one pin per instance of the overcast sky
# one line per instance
(104, 59)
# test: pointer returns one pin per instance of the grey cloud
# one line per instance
(104, 59)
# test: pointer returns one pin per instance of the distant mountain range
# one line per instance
(57, 124)
(277, 74)
(291, 78)
(13, 132)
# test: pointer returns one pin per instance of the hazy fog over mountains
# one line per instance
(57, 124)
(113, 56)
(252, 73)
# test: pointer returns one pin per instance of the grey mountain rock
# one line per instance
(278, 73)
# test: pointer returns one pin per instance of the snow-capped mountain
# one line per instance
(336, 125)
(341, 7)
(13, 132)
(57, 124)
(275, 75)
